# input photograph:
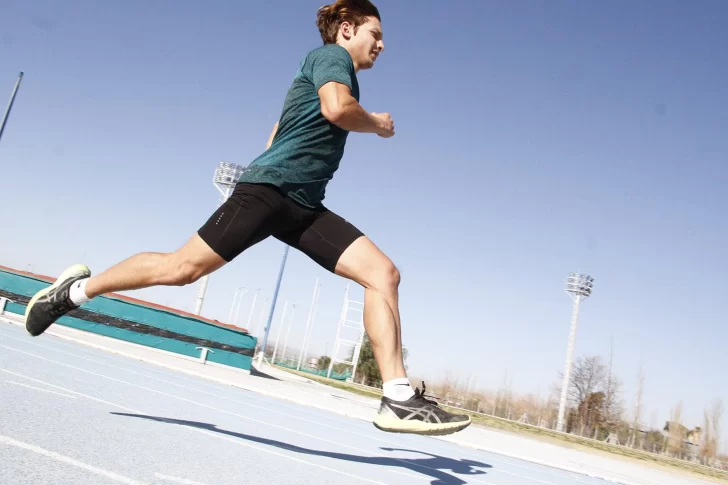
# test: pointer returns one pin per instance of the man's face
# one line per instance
(365, 45)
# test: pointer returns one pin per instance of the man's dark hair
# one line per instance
(330, 17)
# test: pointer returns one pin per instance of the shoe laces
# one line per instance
(421, 395)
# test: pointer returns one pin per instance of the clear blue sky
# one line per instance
(532, 140)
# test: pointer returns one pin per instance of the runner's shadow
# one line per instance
(432, 466)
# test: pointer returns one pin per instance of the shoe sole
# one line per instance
(72, 272)
(391, 424)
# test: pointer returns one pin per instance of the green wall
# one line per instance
(139, 313)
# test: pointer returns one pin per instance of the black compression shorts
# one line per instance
(256, 211)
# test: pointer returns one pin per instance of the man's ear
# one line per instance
(347, 29)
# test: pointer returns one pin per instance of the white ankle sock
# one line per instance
(77, 293)
(398, 389)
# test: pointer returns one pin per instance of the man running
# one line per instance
(280, 195)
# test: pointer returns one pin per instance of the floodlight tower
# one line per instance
(578, 286)
(225, 178)
(266, 330)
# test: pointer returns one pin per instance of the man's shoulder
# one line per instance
(330, 51)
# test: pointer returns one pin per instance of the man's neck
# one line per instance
(356, 66)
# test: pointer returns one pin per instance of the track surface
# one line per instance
(74, 414)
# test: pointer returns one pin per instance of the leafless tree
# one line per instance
(587, 376)
(445, 387)
(612, 395)
(504, 397)
(638, 406)
(711, 441)
(676, 431)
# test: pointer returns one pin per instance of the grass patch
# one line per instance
(569, 440)
(344, 386)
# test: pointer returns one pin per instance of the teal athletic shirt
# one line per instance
(307, 148)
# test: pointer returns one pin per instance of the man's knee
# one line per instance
(188, 273)
(364, 263)
(180, 272)
(188, 264)
(387, 277)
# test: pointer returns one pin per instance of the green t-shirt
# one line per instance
(307, 147)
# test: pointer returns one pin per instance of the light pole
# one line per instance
(273, 304)
(578, 286)
(311, 311)
(288, 333)
(10, 104)
(232, 306)
(225, 178)
(252, 308)
(280, 330)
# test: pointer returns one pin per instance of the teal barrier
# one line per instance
(119, 316)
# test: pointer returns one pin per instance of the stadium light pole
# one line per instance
(578, 286)
(10, 104)
(225, 178)
(272, 308)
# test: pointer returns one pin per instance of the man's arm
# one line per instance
(272, 135)
(342, 109)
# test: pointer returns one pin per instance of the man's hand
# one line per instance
(385, 125)
(340, 108)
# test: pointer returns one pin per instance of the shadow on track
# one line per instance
(432, 466)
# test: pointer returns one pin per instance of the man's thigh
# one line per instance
(366, 264)
(324, 237)
(251, 214)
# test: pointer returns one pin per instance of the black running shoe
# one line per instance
(50, 304)
(418, 415)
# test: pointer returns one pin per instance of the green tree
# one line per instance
(367, 367)
(341, 368)
(323, 362)
(590, 413)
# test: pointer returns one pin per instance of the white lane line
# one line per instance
(248, 445)
(267, 409)
(6, 440)
(69, 390)
(39, 389)
(368, 436)
(410, 463)
(504, 460)
(550, 470)
(199, 391)
(556, 472)
(170, 478)
(208, 433)
(411, 475)
(220, 386)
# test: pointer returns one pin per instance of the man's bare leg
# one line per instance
(402, 410)
(186, 265)
(75, 286)
(364, 263)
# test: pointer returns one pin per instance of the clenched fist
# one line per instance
(386, 125)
